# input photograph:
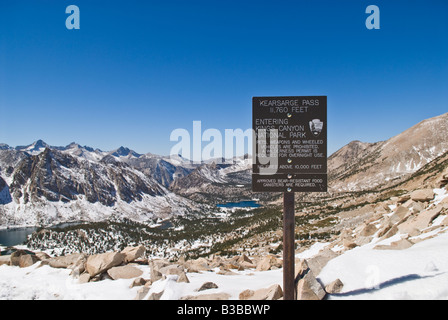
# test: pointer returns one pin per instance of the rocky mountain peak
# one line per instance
(125, 152)
(362, 166)
(4, 146)
(34, 148)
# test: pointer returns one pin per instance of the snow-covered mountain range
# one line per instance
(42, 184)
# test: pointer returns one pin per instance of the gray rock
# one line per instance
(318, 262)
(274, 292)
(368, 230)
(155, 275)
(334, 287)
(141, 293)
(155, 295)
(27, 260)
(423, 195)
(100, 263)
(308, 288)
(173, 269)
(183, 278)
(5, 260)
(133, 253)
(67, 261)
(124, 272)
(397, 245)
(16, 257)
(420, 221)
(208, 285)
(212, 296)
(399, 214)
(138, 282)
(84, 278)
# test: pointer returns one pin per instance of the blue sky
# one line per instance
(137, 70)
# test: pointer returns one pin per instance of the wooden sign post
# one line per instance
(288, 246)
(289, 155)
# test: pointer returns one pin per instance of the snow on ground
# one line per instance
(312, 251)
(441, 194)
(233, 284)
(419, 272)
(46, 283)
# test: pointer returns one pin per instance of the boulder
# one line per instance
(268, 262)
(173, 269)
(397, 245)
(133, 253)
(23, 258)
(231, 266)
(159, 263)
(334, 287)
(183, 278)
(84, 278)
(5, 260)
(27, 260)
(385, 226)
(154, 274)
(210, 296)
(245, 262)
(207, 286)
(138, 282)
(349, 244)
(15, 257)
(346, 234)
(246, 294)
(404, 198)
(389, 232)
(416, 207)
(155, 295)
(124, 272)
(198, 265)
(247, 265)
(399, 214)
(300, 269)
(308, 288)
(368, 230)
(42, 256)
(216, 262)
(420, 222)
(141, 293)
(244, 258)
(318, 262)
(181, 260)
(274, 292)
(225, 272)
(360, 241)
(423, 195)
(100, 263)
(67, 261)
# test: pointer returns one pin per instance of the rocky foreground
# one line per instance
(127, 265)
(396, 224)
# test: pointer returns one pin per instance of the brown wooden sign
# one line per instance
(290, 144)
(290, 155)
